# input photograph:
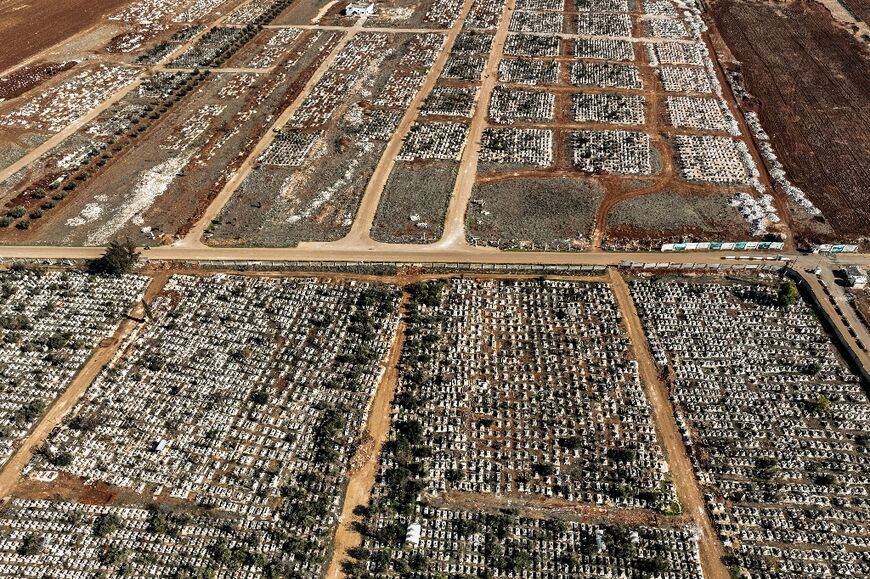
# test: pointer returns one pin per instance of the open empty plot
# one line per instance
(779, 426)
(511, 212)
(665, 217)
(810, 79)
(414, 202)
(242, 395)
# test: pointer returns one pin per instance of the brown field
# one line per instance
(29, 26)
(810, 83)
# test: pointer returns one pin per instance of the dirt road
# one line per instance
(454, 222)
(63, 404)
(360, 231)
(681, 472)
(365, 464)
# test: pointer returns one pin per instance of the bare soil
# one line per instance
(30, 26)
(674, 217)
(513, 211)
(420, 189)
(810, 82)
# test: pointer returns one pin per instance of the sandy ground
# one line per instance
(64, 403)
(30, 26)
(688, 489)
(365, 463)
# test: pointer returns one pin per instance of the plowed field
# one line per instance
(811, 83)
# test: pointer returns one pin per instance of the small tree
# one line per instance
(120, 257)
(822, 404)
(787, 294)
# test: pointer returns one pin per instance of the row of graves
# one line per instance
(475, 543)
(518, 392)
(525, 389)
(240, 401)
(777, 425)
(50, 324)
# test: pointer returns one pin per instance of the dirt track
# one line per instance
(681, 472)
(28, 27)
(811, 83)
(365, 463)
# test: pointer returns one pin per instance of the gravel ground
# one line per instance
(518, 212)
(421, 190)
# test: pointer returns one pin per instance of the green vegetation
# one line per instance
(119, 258)
(787, 294)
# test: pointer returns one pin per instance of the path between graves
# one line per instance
(364, 464)
(64, 403)
(535, 506)
(688, 490)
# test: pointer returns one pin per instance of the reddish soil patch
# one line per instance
(69, 488)
(29, 26)
(28, 77)
(810, 82)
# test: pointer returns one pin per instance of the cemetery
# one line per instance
(56, 106)
(509, 106)
(609, 108)
(700, 113)
(476, 543)
(50, 324)
(529, 147)
(776, 423)
(710, 159)
(530, 72)
(608, 24)
(537, 22)
(494, 421)
(684, 79)
(242, 395)
(694, 54)
(357, 104)
(606, 75)
(449, 102)
(604, 49)
(437, 140)
(532, 45)
(619, 152)
(484, 14)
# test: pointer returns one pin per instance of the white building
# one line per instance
(360, 8)
(856, 277)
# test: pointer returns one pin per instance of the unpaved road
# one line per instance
(362, 477)
(681, 472)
